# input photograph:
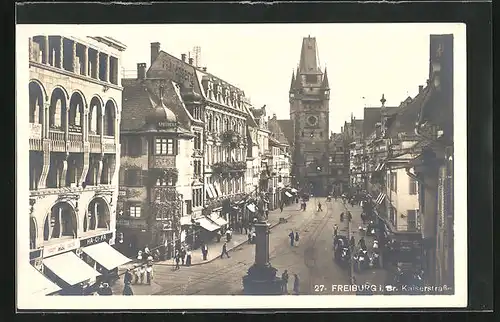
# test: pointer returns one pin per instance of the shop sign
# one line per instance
(60, 248)
(95, 239)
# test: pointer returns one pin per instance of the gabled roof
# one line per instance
(371, 117)
(286, 127)
(139, 97)
(404, 121)
(276, 132)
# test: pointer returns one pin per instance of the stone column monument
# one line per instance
(261, 277)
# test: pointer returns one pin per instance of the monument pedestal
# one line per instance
(261, 277)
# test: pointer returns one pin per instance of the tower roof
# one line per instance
(325, 80)
(292, 82)
(309, 57)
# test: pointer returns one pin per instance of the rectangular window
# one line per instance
(133, 177)
(134, 211)
(189, 207)
(164, 146)
(413, 186)
(411, 220)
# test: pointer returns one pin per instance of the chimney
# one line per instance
(190, 61)
(274, 116)
(204, 69)
(420, 88)
(183, 57)
(155, 50)
(141, 71)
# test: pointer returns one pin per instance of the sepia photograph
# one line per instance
(241, 166)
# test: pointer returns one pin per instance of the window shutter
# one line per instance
(143, 146)
(143, 176)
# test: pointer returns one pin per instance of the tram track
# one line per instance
(238, 267)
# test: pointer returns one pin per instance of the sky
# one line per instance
(363, 60)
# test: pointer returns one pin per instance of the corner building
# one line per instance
(309, 111)
(74, 155)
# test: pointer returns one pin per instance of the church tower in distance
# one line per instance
(309, 111)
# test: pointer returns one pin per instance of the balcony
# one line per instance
(56, 135)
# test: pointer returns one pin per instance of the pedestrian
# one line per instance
(149, 273)
(177, 261)
(224, 251)
(127, 290)
(183, 255)
(188, 257)
(352, 242)
(128, 277)
(139, 256)
(146, 250)
(349, 216)
(297, 238)
(142, 272)
(219, 236)
(204, 250)
(106, 289)
(292, 238)
(228, 235)
(319, 206)
(281, 207)
(335, 230)
(305, 205)
(137, 273)
(296, 283)
(254, 235)
(284, 279)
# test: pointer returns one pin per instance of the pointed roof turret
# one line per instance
(309, 57)
(292, 82)
(325, 80)
(298, 82)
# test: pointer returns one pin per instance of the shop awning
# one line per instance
(293, 190)
(251, 207)
(288, 194)
(70, 268)
(219, 193)
(208, 224)
(209, 191)
(186, 220)
(106, 255)
(217, 219)
(380, 198)
(39, 284)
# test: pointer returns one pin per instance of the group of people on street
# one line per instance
(183, 256)
(294, 238)
(284, 285)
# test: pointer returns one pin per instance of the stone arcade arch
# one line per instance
(95, 115)
(109, 118)
(76, 113)
(60, 222)
(98, 215)
(58, 109)
(37, 98)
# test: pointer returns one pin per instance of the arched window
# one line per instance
(109, 119)
(210, 123)
(36, 97)
(94, 117)
(61, 222)
(57, 110)
(76, 113)
(99, 216)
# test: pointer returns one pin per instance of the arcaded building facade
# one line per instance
(74, 119)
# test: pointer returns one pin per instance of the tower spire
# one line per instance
(309, 56)
(325, 80)
(292, 82)
(382, 100)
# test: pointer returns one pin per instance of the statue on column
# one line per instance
(261, 277)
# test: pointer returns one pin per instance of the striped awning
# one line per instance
(380, 198)
(288, 194)
(380, 167)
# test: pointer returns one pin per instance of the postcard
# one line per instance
(241, 166)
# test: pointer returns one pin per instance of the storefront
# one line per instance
(62, 266)
(39, 284)
(208, 229)
(97, 252)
